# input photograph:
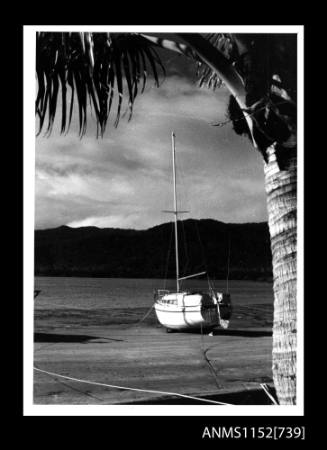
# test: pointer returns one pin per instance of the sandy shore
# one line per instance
(111, 347)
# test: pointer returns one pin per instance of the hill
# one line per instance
(127, 253)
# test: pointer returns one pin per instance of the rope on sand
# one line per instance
(175, 394)
(212, 369)
(264, 387)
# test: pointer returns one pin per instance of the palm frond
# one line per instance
(266, 65)
(207, 76)
(92, 67)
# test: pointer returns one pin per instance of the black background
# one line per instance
(116, 432)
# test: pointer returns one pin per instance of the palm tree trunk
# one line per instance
(281, 186)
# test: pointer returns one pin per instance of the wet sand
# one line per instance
(113, 347)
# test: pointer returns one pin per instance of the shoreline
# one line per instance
(259, 279)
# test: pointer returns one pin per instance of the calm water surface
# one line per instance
(109, 293)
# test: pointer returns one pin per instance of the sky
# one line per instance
(124, 180)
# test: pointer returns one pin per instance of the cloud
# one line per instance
(124, 179)
(112, 221)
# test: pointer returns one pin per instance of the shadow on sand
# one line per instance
(245, 397)
(242, 333)
(79, 338)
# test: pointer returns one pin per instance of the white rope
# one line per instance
(264, 387)
(129, 388)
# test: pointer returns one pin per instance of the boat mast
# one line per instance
(175, 212)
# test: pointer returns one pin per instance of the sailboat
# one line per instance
(190, 309)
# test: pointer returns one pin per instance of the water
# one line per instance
(111, 293)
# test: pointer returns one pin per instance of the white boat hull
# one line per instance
(179, 318)
(179, 311)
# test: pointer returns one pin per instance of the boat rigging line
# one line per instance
(228, 259)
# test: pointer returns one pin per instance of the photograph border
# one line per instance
(29, 132)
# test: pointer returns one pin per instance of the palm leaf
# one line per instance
(119, 78)
(92, 67)
(144, 70)
(70, 82)
(208, 77)
(127, 72)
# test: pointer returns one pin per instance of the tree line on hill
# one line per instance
(240, 250)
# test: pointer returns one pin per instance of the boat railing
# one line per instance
(163, 291)
(219, 295)
(158, 293)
